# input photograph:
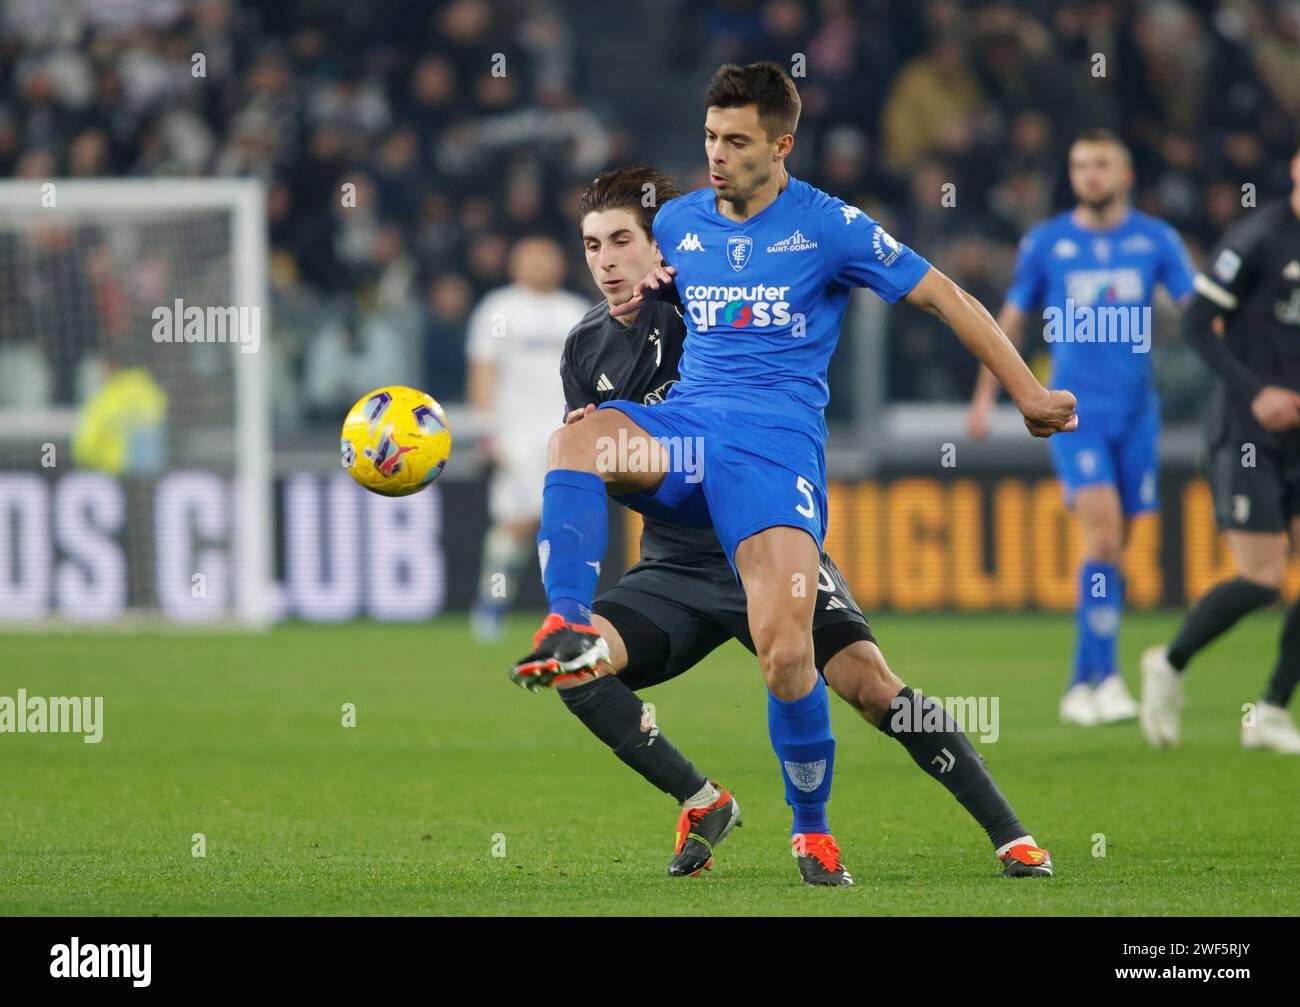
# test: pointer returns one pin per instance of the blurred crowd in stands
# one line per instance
(406, 144)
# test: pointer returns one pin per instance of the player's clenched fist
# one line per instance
(1276, 408)
(1050, 413)
(660, 276)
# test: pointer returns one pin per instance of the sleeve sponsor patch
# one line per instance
(885, 247)
(1227, 265)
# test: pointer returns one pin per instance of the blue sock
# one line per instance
(1097, 622)
(571, 540)
(1106, 619)
(805, 748)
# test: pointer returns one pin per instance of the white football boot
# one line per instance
(1113, 702)
(1079, 707)
(1162, 698)
(1273, 728)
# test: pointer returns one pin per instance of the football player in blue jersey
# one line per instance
(762, 264)
(1094, 270)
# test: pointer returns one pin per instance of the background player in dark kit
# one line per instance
(1251, 283)
(681, 600)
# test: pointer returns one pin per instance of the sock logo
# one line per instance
(946, 760)
(648, 725)
(806, 776)
(543, 552)
(1103, 620)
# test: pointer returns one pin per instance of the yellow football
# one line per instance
(396, 441)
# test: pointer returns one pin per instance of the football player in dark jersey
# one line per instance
(682, 600)
(1250, 293)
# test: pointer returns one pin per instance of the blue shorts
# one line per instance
(1112, 447)
(741, 471)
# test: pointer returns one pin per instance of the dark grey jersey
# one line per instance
(605, 360)
(1253, 275)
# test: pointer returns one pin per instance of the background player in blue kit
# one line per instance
(763, 265)
(1094, 271)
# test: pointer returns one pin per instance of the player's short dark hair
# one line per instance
(765, 85)
(1099, 134)
(639, 189)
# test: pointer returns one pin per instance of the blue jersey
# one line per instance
(1096, 289)
(764, 298)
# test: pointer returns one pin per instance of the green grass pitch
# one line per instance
(241, 739)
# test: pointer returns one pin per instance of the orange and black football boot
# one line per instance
(1025, 861)
(699, 830)
(560, 650)
(819, 860)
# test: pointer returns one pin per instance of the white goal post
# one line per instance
(120, 298)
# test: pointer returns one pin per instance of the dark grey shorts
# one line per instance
(671, 615)
(1261, 497)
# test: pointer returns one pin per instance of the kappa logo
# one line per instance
(690, 243)
(738, 249)
(795, 243)
(851, 213)
(1139, 244)
(806, 776)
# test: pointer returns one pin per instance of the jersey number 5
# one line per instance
(805, 487)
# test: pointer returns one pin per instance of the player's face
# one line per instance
(742, 160)
(537, 263)
(1099, 173)
(619, 253)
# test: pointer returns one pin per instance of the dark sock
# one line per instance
(612, 712)
(1216, 613)
(964, 773)
(1281, 687)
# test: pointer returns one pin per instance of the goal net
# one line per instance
(134, 421)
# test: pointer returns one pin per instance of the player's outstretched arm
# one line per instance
(650, 286)
(1046, 412)
(1011, 320)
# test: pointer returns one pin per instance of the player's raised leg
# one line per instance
(778, 568)
(859, 675)
(584, 459)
